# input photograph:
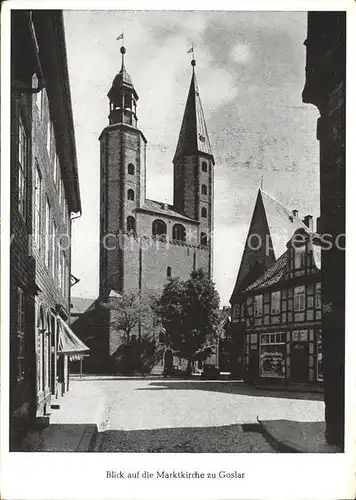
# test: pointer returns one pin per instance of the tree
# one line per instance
(189, 313)
(130, 314)
(128, 311)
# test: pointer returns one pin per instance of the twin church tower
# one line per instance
(143, 241)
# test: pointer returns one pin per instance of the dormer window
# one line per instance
(299, 258)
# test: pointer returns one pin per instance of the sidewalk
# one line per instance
(290, 436)
(74, 426)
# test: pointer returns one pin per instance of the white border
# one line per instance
(73, 476)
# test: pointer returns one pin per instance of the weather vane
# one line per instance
(191, 51)
(121, 37)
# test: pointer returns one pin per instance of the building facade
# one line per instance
(265, 259)
(143, 242)
(279, 317)
(44, 194)
(325, 87)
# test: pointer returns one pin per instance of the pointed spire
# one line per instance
(193, 136)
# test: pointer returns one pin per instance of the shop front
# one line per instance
(44, 365)
(290, 356)
(273, 355)
(56, 346)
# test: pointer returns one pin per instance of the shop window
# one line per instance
(299, 298)
(131, 169)
(257, 305)
(169, 272)
(204, 166)
(179, 232)
(131, 195)
(204, 189)
(272, 355)
(318, 295)
(203, 239)
(204, 213)
(20, 335)
(130, 224)
(275, 302)
(159, 228)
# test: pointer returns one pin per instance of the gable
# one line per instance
(274, 225)
(258, 251)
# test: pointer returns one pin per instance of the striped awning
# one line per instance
(69, 343)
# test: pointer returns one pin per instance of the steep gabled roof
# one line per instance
(281, 222)
(193, 136)
(275, 225)
(273, 275)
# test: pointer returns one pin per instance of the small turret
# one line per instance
(123, 97)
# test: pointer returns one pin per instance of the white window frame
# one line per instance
(299, 257)
(48, 228)
(49, 136)
(37, 205)
(276, 302)
(54, 248)
(318, 295)
(56, 169)
(22, 167)
(20, 353)
(299, 298)
(258, 305)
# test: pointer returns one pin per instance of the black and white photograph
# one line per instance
(174, 218)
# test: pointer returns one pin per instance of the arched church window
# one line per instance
(130, 224)
(131, 169)
(203, 239)
(204, 213)
(159, 227)
(169, 271)
(131, 195)
(204, 166)
(179, 232)
(204, 189)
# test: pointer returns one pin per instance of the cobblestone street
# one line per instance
(194, 415)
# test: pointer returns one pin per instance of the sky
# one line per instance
(250, 72)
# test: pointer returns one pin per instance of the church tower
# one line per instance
(122, 178)
(194, 169)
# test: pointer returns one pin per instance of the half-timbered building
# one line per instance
(279, 316)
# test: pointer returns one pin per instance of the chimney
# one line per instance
(295, 213)
(308, 221)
